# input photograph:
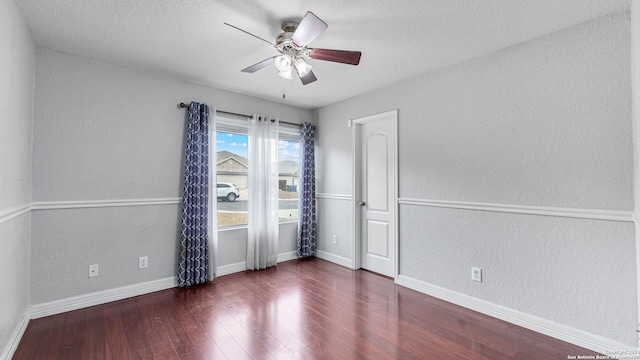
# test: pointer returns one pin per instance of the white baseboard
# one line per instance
(231, 269)
(100, 297)
(342, 261)
(562, 332)
(291, 255)
(242, 266)
(14, 341)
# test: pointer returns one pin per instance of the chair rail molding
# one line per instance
(334, 196)
(8, 214)
(79, 204)
(594, 214)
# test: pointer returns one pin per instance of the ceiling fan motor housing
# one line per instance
(286, 31)
(283, 40)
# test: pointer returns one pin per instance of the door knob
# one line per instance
(362, 203)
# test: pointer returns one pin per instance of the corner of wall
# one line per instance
(17, 69)
(16, 336)
(635, 106)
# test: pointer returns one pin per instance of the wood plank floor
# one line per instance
(301, 309)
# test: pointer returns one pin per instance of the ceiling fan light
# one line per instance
(283, 63)
(287, 75)
(302, 67)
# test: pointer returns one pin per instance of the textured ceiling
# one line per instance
(398, 39)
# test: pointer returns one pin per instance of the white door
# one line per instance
(377, 194)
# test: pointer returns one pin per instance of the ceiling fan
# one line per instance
(292, 43)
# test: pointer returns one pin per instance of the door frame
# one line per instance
(356, 125)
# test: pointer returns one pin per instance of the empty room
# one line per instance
(439, 179)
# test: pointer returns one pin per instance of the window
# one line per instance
(289, 172)
(232, 171)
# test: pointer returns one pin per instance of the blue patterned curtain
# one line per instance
(307, 228)
(193, 268)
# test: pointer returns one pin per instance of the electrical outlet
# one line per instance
(143, 262)
(93, 270)
(476, 274)
(335, 239)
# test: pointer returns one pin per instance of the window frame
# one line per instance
(234, 126)
(241, 126)
(291, 134)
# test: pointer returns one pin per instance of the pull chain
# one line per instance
(284, 84)
(283, 88)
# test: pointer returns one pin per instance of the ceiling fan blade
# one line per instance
(309, 78)
(310, 27)
(260, 65)
(255, 36)
(340, 56)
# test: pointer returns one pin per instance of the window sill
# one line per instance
(241, 227)
(292, 221)
(231, 228)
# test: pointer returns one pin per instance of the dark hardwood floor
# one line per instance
(301, 309)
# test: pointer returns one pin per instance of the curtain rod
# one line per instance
(186, 106)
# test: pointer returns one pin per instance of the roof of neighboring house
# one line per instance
(288, 167)
(284, 167)
(225, 155)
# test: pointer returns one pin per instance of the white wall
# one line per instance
(635, 71)
(16, 104)
(106, 132)
(546, 123)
